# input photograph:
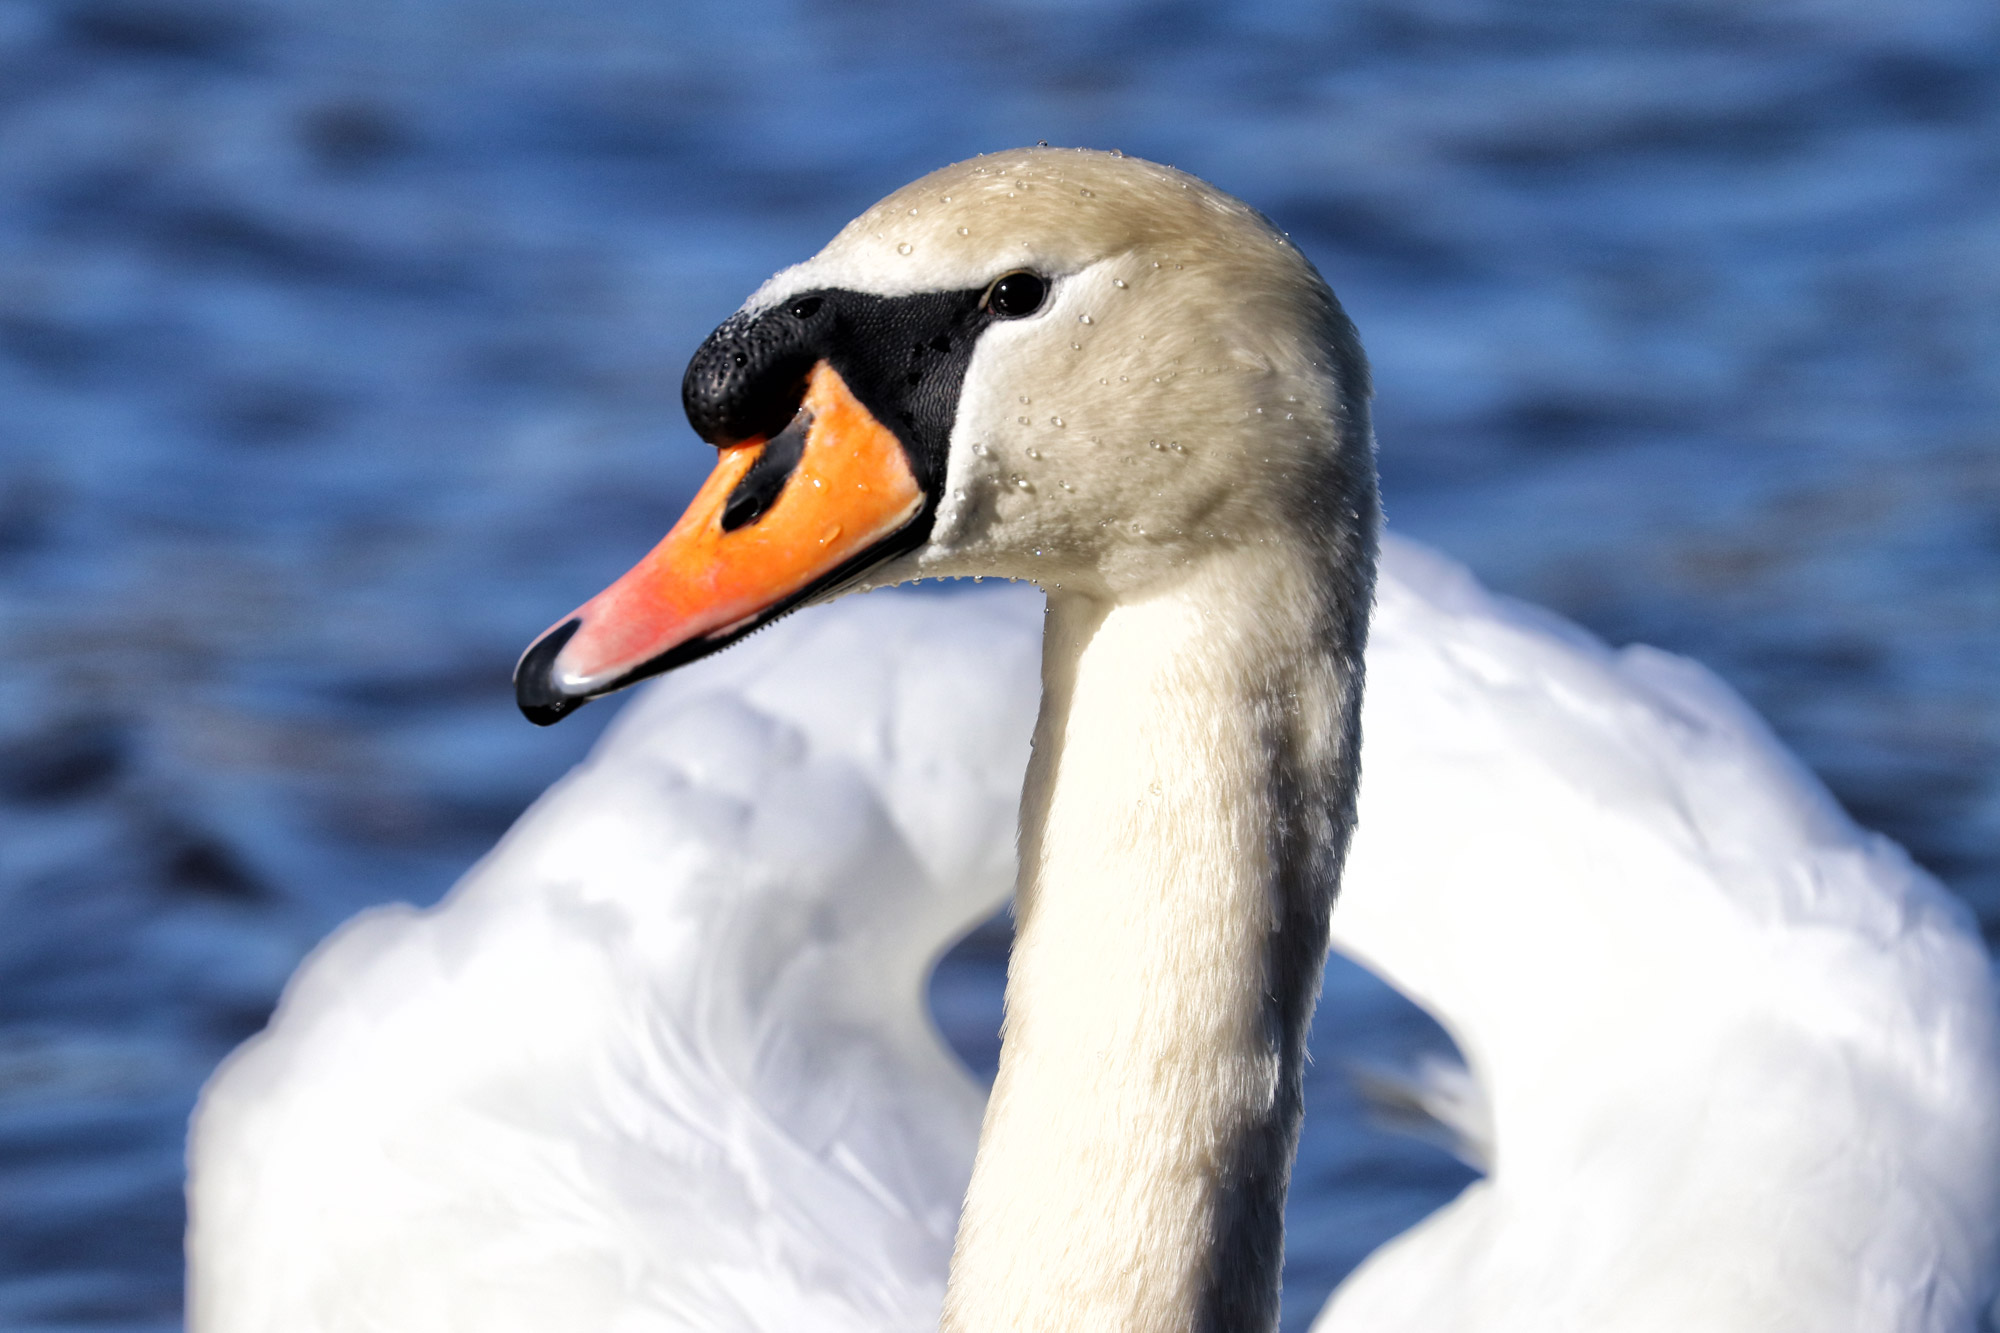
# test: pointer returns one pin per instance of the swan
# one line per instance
(660, 1061)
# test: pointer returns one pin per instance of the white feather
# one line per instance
(1741, 1056)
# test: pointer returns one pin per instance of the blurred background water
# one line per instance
(340, 348)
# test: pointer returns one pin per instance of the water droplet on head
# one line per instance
(979, 448)
(1026, 399)
(1086, 194)
(1034, 453)
(965, 231)
(1084, 319)
(913, 212)
(1022, 420)
(1118, 282)
(1156, 444)
(958, 496)
(1121, 379)
(1022, 483)
(1055, 421)
(1117, 153)
(1065, 485)
(1041, 143)
(904, 248)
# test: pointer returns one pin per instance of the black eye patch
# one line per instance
(765, 481)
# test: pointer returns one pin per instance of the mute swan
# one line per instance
(661, 1063)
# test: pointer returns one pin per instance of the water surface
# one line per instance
(339, 354)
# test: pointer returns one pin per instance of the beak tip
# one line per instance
(542, 701)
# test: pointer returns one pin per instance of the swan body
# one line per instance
(602, 1076)
(661, 1061)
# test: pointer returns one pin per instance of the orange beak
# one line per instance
(778, 521)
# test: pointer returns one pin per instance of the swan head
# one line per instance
(1070, 367)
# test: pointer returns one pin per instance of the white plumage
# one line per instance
(660, 1062)
(1739, 1057)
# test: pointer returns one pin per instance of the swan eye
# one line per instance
(1017, 294)
(806, 307)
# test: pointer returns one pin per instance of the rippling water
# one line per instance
(340, 347)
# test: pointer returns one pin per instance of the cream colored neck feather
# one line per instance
(1182, 826)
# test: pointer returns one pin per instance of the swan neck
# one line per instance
(1186, 810)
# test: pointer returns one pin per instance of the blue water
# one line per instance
(339, 354)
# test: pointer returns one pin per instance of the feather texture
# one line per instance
(661, 1062)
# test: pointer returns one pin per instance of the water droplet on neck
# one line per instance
(1118, 282)
(1084, 319)
(904, 248)
(1034, 453)
(1055, 421)
(1022, 483)
(1117, 153)
(1023, 420)
(1086, 194)
(965, 231)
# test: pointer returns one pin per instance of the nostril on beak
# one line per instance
(541, 699)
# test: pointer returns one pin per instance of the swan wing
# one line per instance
(661, 1061)
(1738, 1058)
